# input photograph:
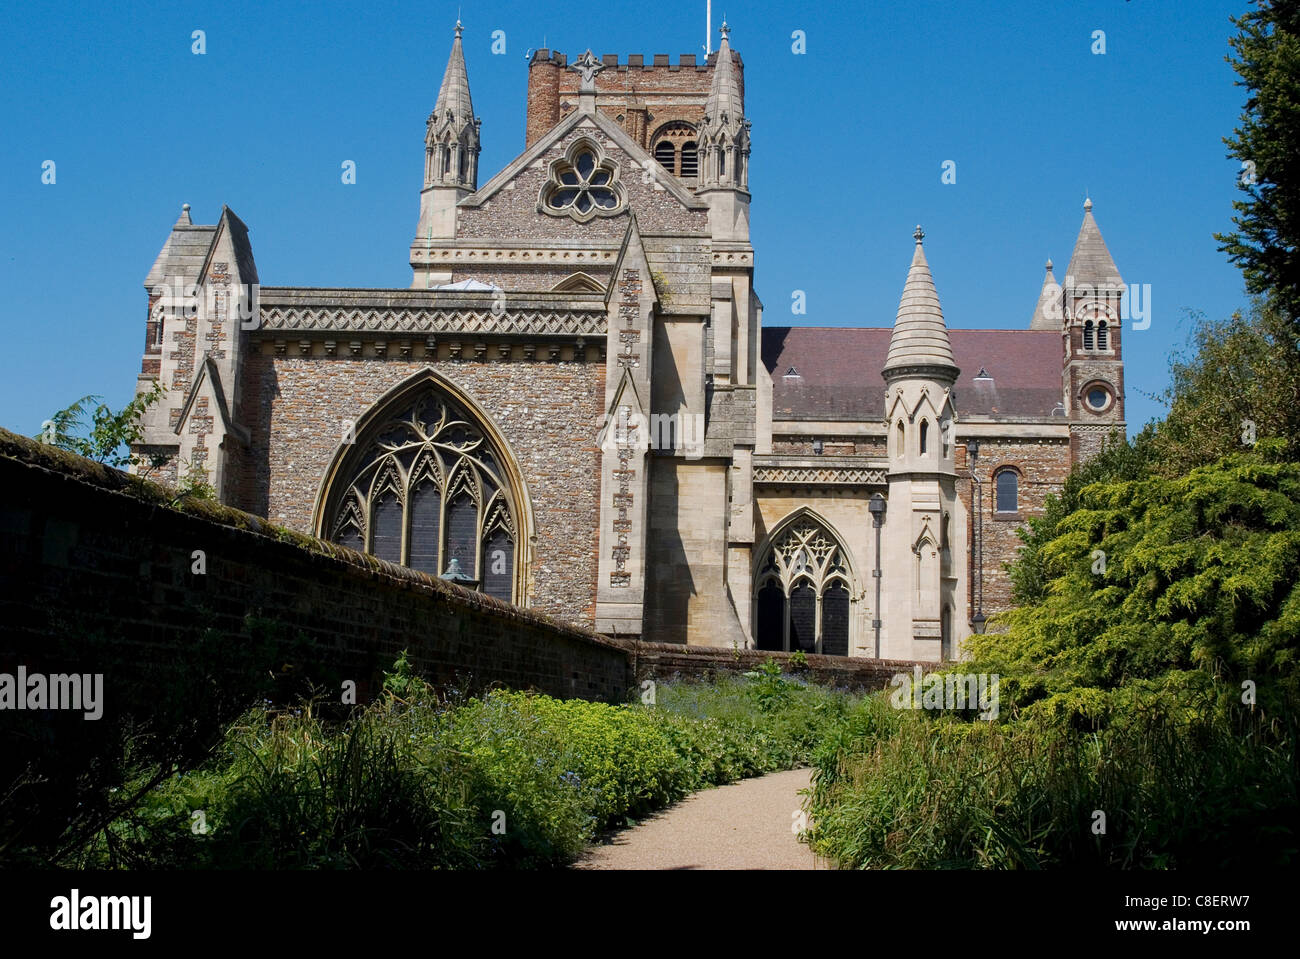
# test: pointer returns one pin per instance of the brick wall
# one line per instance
(669, 661)
(646, 95)
(1043, 467)
(94, 561)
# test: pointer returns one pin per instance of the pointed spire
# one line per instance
(451, 139)
(724, 134)
(1047, 315)
(724, 104)
(1091, 264)
(920, 337)
(454, 102)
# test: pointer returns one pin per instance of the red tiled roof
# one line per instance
(839, 372)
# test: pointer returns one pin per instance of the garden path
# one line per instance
(743, 825)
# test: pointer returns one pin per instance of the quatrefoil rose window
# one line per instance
(582, 184)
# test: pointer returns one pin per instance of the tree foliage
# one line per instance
(106, 436)
(1119, 459)
(1199, 581)
(1239, 383)
(1266, 244)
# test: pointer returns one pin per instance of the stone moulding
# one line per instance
(818, 476)
(525, 323)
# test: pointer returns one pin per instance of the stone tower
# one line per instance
(1093, 374)
(724, 152)
(451, 149)
(924, 599)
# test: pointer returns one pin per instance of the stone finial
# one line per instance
(1087, 203)
(724, 30)
(1049, 263)
(919, 235)
(587, 66)
(459, 29)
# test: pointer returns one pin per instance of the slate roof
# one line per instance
(839, 372)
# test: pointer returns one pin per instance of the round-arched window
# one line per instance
(1006, 484)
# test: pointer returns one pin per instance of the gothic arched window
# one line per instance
(925, 437)
(425, 486)
(1102, 335)
(802, 592)
(1087, 335)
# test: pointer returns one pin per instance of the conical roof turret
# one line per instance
(1091, 264)
(1047, 315)
(920, 337)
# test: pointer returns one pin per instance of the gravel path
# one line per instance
(744, 825)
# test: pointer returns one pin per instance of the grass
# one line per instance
(899, 789)
(422, 781)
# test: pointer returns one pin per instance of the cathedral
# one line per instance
(577, 407)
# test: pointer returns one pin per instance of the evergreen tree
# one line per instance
(1266, 244)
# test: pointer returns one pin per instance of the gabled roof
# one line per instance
(231, 225)
(1091, 263)
(189, 248)
(562, 129)
(837, 377)
(208, 373)
(183, 253)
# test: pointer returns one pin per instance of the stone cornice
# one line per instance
(430, 312)
(853, 471)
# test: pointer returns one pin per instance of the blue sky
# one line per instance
(849, 140)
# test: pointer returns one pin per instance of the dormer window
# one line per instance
(582, 184)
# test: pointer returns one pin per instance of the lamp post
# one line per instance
(977, 545)
(877, 507)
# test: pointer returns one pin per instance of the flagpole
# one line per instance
(708, 29)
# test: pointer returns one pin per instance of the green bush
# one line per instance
(508, 779)
(918, 793)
